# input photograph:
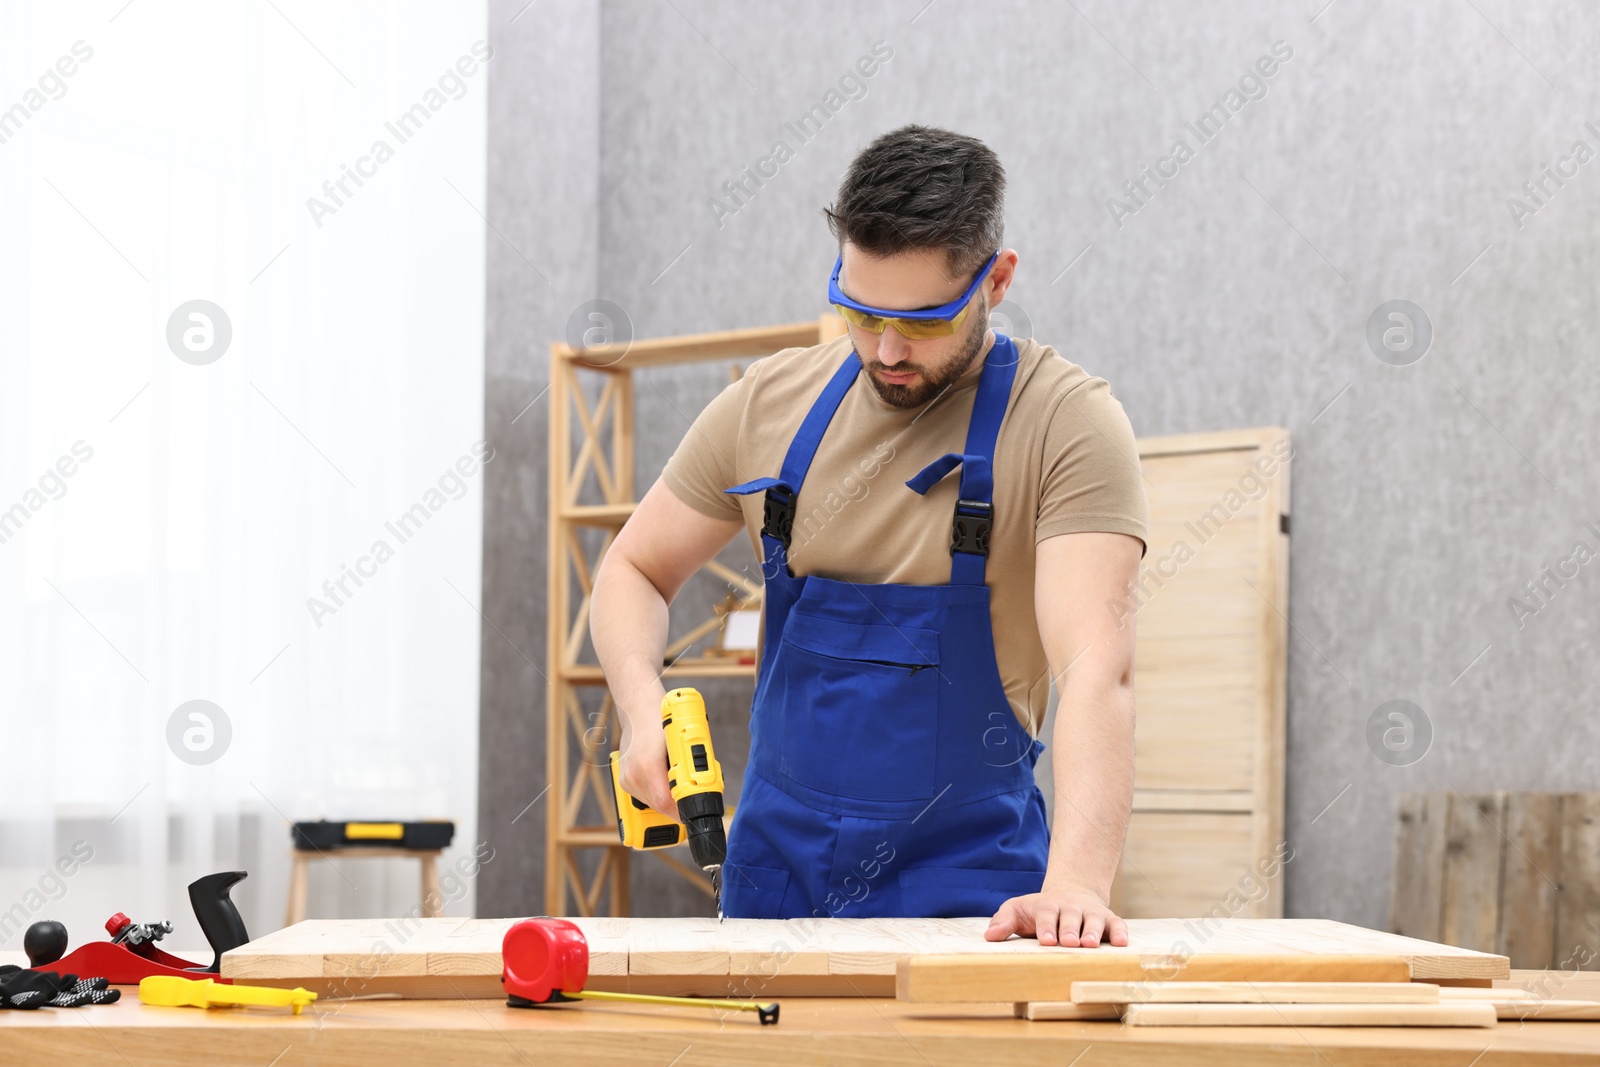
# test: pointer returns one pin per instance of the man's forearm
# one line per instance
(1092, 762)
(628, 624)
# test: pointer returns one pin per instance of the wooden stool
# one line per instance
(432, 898)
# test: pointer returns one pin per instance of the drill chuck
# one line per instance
(702, 815)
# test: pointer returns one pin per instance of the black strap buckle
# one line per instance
(777, 513)
(970, 531)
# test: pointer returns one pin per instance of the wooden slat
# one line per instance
(557, 624)
(1497, 995)
(1459, 1013)
(1548, 1010)
(688, 667)
(678, 947)
(1577, 942)
(1190, 863)
(1530, 863)
(1050, 976)
(604, 515)
(790, 947)
(1254, 993)
(1430, 961)
(1192, 800)
(594, 454)
(1469, 911)
(692, 348)
(1418, 877)
(1064, 1011)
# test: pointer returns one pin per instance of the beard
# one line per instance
(931, 382)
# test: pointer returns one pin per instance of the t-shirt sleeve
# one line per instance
(706, 460)
(1090, 479)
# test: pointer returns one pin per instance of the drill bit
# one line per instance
(716, 889)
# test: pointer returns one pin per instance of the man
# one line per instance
(944, 516)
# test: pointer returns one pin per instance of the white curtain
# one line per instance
(269, 501)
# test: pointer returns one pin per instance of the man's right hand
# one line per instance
(660, 547)
(643, 770)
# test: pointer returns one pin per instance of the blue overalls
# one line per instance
(888, 775)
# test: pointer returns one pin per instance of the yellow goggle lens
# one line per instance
(910, 329)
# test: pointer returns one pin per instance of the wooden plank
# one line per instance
(842, 957)
(958, 979)
(1430, 961)
(1577, 945)
(1530, 865)
(1417, 879)
(1521, 1005)
(854, 946)
(783, 947)
(1495, 995)
(473, 948)
(1548, 1010)
(1064, 1011)
(692, 348)
(1469, 910)
(293, 952)
(381, 948)
(679, 946)
(966, 978)
(1254, 993)
(1459, 1013)
(609, 944)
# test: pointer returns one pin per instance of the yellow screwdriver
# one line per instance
(169, 991)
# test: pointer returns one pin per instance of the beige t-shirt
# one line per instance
(1065, 462)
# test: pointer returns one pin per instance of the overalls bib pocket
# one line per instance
(860, 707)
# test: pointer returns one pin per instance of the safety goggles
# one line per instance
(941, 321)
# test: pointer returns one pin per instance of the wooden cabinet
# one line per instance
(1206, 836)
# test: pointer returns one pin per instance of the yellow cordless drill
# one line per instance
(696, 780)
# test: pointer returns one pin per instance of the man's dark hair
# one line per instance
(920, 187)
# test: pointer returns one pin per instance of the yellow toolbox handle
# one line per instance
(374, 831)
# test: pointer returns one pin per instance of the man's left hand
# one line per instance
(1069, 915)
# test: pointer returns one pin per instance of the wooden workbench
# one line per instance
(864, 1031)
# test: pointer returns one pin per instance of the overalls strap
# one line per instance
(974, 514)
(778, 518)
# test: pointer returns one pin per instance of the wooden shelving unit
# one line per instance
(581, 720)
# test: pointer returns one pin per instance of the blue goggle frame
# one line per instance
(943, 311)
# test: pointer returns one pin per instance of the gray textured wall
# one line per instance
(544, 114)
(1377, 166)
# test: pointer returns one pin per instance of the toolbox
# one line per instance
(323, 834)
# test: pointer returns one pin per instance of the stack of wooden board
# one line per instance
(835, 957)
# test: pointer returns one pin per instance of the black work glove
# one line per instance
(27, 990)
